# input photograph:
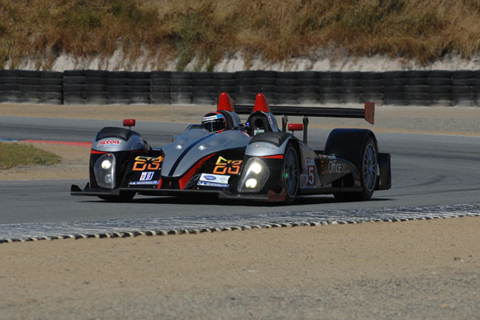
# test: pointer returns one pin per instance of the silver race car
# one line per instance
(255, 160)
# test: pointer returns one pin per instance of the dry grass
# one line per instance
(14, 154)
(210, 29)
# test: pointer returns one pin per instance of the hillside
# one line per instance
(232, 35)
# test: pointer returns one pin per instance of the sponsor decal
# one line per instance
(223, 179)
(337, 167)
(212, 118)
(212, 184)
(333, 166)
(323, 164)
(111, 142)
(310, 170)
(144, 183)
(224, 166)
(270, 119)
(143, 163)
(258, 131)
(146, 176)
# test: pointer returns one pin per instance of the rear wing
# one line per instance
(367, 113)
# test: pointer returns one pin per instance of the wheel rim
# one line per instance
(369, 167)
(290, 172)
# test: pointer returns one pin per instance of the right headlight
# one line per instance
(104, 170)
(254, 176)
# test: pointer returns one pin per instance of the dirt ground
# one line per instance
(376, 270)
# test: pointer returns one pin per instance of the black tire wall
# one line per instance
(72, 87)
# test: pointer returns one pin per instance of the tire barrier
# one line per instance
(21, 86)
(286, 87)
(139, 88)
(96, 87)
(245, 90)
(224, 82)
(160, 87)
(203, 88)
(181, 89)
(71, 87)
(74, 87)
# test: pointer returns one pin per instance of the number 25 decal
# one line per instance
(147, 163)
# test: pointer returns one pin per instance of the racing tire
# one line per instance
(290, 173)
(368, 173)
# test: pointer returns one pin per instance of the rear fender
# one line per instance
(347, 144)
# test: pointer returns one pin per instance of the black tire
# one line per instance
(290, 173)
(283, 89)
(286, 82)
(286, 98)
(368, 173)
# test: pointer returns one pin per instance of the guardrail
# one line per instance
(436, 87)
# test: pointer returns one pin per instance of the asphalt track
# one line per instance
(433, 176)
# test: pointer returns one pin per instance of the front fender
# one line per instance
(268, 144)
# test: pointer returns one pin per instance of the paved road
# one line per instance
(432, 175)
(76, 129)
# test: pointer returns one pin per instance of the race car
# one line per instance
(255, 160)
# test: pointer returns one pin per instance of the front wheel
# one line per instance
(290, 173)
(368, 173)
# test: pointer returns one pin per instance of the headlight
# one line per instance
(106, 164)
(104, 170)
(254, 176)
(256, 167)
(251, 183)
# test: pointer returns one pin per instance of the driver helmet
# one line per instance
(214, 122)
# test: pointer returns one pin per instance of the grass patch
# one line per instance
(15, 154)
(277, 30)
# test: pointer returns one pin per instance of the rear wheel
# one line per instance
(368, 173)
(290, 173)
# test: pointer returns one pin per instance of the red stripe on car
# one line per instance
(277, 156)
(184, 180)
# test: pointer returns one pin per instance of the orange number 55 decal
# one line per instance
(147, 163)
(224, 166)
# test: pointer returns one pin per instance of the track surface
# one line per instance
(433, 175)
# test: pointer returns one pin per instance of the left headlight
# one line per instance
(254, 176)
(104, 170)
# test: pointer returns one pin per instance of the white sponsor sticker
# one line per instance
(211, 118)
(146, 176)
(217, 178)
(212, 184)
(143, 183)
